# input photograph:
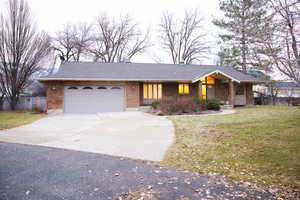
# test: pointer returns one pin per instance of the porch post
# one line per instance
(200, 90)
(231, 92)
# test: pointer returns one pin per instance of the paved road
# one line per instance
(35, 172)
(130, 134)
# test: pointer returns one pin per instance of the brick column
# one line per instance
(231, 92)
(55, 95)
(132, 94)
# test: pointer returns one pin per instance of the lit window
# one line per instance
(183, 88)
(208, 80)
(159, 91)
(152, 91)
(204, 92)
(145, 87)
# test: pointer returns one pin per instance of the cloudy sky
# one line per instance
(52, 15)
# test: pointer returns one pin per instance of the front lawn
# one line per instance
(254, 144)
(14, 119)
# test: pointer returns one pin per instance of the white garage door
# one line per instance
(93, 99)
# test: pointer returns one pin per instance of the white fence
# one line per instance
(28, 103)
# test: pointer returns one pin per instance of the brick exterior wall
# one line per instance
(170, 90)
(55, 95)
(55, 92)
(134, 92)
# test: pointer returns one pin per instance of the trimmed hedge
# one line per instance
(179, 106)
(213, 104)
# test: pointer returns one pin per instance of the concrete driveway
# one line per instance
(130, 134)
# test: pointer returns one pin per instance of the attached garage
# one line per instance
(93, 99)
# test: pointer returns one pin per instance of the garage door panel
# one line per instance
(93, 99)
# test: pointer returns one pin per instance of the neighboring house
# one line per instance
(34, 95)
(89, 87)
(287, 89)
(281, 89)
(277, 92)
(32, 98)
(28, 102)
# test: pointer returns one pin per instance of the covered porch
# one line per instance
(216, 85)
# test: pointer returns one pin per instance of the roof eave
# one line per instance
(97, 79)
(213, 72)
(253, 81)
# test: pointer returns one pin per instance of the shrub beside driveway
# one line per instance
(259, 144)
(14, 119)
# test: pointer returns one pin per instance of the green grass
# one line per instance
(254, 144)
(14, 119)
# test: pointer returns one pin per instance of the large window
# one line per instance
(239, 90)
(204, 92)
(183, 88)
(152, 91)
(207, 82)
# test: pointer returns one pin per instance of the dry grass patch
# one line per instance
(259, 144)
(18, 118)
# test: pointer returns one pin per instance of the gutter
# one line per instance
(119, 80)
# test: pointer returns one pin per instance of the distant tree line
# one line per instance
(118, 40)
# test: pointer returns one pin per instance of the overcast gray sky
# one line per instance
(52, 15)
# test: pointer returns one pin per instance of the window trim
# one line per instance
(102, 88)
(152, 91)
(72, 88)
(240, 90)
(115, 88)
(87, 88)
(185, 88)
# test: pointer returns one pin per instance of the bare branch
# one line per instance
(286, 34)
(183, 39)
(73, 41)
(116, 41)
(22, 48)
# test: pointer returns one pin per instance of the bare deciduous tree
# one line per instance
(64, 43)
(117, 41)
(82, 40)
(2, 91)
(73, 41)
(21, 49)
(287, 37)
(184, 39)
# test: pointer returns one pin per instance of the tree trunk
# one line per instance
(2, 99)
(1, 104)
(13, 102)
(244, 67)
